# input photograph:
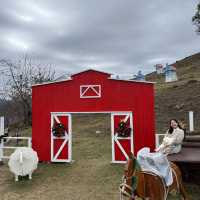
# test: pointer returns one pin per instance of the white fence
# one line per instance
(4, 141)
(3, 145)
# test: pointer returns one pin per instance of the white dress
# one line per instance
(155, 162)
(172, 142)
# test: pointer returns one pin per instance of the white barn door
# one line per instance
(122, 141)
(61, 145)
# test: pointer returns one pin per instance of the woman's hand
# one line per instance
(157, 149)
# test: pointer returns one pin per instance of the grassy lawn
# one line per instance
(89, 177)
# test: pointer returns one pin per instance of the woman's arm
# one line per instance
(179, 136)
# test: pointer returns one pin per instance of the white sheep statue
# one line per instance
(23, 162)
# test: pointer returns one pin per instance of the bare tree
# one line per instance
(196, 18)
(20, 78)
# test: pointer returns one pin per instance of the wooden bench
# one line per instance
(190, 152)
(189, 157)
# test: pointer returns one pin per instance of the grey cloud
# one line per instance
(115, 36)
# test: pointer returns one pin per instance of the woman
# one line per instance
(173, 139)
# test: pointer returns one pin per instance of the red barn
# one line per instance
(92, 91)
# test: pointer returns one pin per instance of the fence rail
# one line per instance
(3, 145)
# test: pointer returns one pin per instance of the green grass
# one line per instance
(89, 177)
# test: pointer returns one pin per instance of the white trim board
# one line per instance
(109, 112)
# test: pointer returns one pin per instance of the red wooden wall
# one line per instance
(116, 95)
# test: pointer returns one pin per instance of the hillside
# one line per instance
(174, 100)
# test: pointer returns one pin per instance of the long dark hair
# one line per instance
(171, 128)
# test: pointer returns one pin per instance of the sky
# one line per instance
(115, 36)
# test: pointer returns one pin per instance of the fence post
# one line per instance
(1, 140)
(157, 140)
(1, 126)
(1, 151)
(29, 142)
(191, 121)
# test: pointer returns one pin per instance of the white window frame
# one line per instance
(82, 93)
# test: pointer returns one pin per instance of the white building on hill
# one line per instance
(159, 68)
(170, 73)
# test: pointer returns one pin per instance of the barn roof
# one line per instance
(91, 70)
(136, 81)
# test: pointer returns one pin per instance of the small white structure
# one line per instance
(170, 73)
(159, 68)
(23, 162)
